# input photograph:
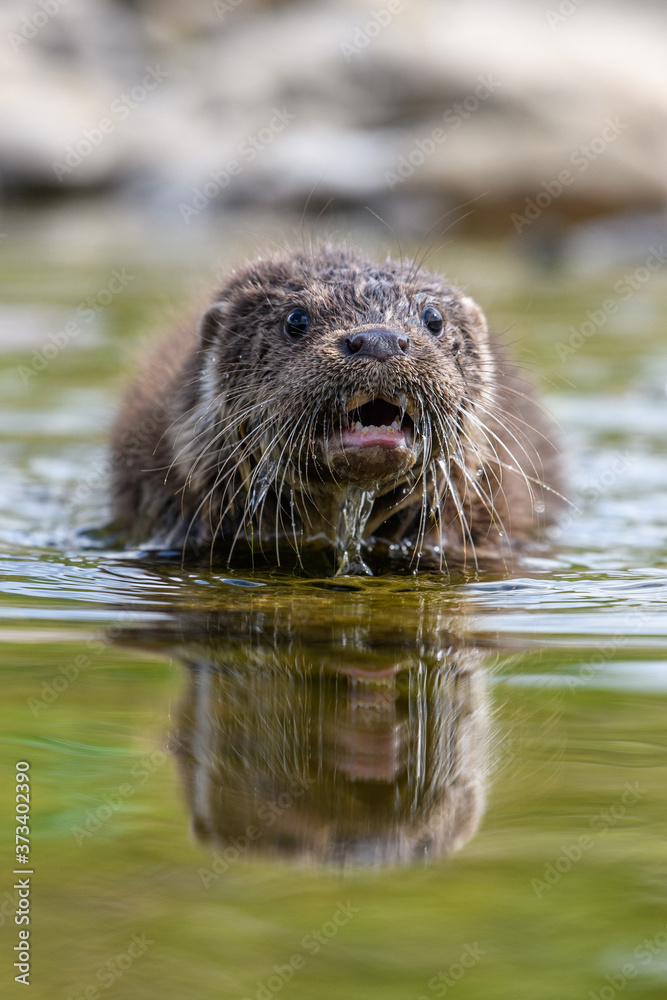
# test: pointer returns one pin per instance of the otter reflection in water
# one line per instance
(352, 751)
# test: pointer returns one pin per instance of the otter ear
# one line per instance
(474, 318)
(213, 322)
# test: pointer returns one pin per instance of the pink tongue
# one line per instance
(371, 437)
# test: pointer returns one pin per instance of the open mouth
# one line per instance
(373, 421)
(373, 442)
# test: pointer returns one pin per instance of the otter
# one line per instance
(328, 405)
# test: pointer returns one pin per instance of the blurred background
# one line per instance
(156, 124)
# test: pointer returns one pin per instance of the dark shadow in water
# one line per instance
(345, 736)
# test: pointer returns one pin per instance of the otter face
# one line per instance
(333, 369)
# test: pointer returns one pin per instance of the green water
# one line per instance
(513, 727)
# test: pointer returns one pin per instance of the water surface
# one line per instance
(381, 787)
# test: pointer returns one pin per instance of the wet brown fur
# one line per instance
(218, 447)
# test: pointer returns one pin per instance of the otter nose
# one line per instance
(377, 344)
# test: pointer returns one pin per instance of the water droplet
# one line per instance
(261, 487)
(355, 510)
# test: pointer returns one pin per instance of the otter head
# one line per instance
(332, 370)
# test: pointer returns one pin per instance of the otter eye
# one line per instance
(297, 323)
(433, 321)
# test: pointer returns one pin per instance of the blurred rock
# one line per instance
(522, 110)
